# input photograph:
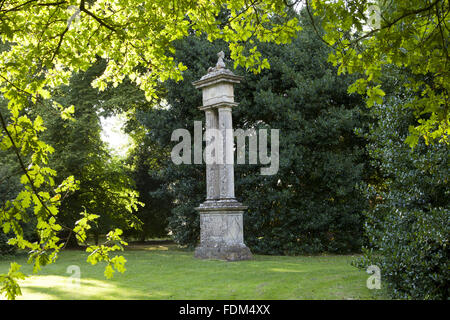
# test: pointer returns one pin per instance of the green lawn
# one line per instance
(164, 272)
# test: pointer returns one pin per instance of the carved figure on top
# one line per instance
(220, 64)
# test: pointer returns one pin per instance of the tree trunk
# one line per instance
(70, 240)
(96, 238)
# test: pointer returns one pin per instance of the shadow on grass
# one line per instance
(57, 287)
(155, 272)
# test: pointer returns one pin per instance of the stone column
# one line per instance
(212, 169)
(226, 168)
(221, 215)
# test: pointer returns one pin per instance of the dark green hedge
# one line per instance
(313, 203)
(409, 225)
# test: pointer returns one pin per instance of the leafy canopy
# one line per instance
(312, 204)
(369, 35)
(48, 40)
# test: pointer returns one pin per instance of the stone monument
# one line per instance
(221, 215)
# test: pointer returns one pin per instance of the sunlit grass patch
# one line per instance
(163, 272)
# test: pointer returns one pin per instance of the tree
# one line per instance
(406, 41)
(312, 204)
(408, 223)
(147, 161)
(412, 34)
(104, 186)
(9, 187)
(51, 39)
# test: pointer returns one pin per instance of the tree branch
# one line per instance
(83, 9)
(314, 24)
(390, 24)
(61, 37)
(443, 38)
(21, 163)
(28, 94)
(16, 8)
(51, 3)
(370, 33)
(20, 6)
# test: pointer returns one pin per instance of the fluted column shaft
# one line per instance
(212, 169)
(226, 168)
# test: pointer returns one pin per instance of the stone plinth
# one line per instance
(221, 215)
(221, 236)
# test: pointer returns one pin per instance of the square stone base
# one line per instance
(222, 236)
(224, 252)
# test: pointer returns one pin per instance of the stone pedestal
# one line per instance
(221, 215)
(221, 236)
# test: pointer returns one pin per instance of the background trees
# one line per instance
(408, 223)
(47, 44)
(400, 52)
(312, 204)
(51, 40)
(104, 184)
(148, 161)
(9, 188)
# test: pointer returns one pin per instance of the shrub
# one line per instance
(5, 248)
(312, 204)
(409, 225)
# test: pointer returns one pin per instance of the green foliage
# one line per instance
(38, 192)
(5, 248)
(9, 187)
(101, 253)
(411, 34)
(104, 185)
(148, 175)
(48, 205)
(408, 225)
(44, 42)
(8, 282)
(312, 204)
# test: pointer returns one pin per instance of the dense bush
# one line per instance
(158, 203)
(5, 248)
(312, 204)
(409, 224)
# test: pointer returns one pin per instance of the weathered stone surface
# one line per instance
(221, 231)
(228, 253)
(212, 169)
(221, 92)
(217, 76)
(221, 216)
(224, 205)
(221, 227)
(226, 169)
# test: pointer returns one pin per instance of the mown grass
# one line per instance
(165, 272)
